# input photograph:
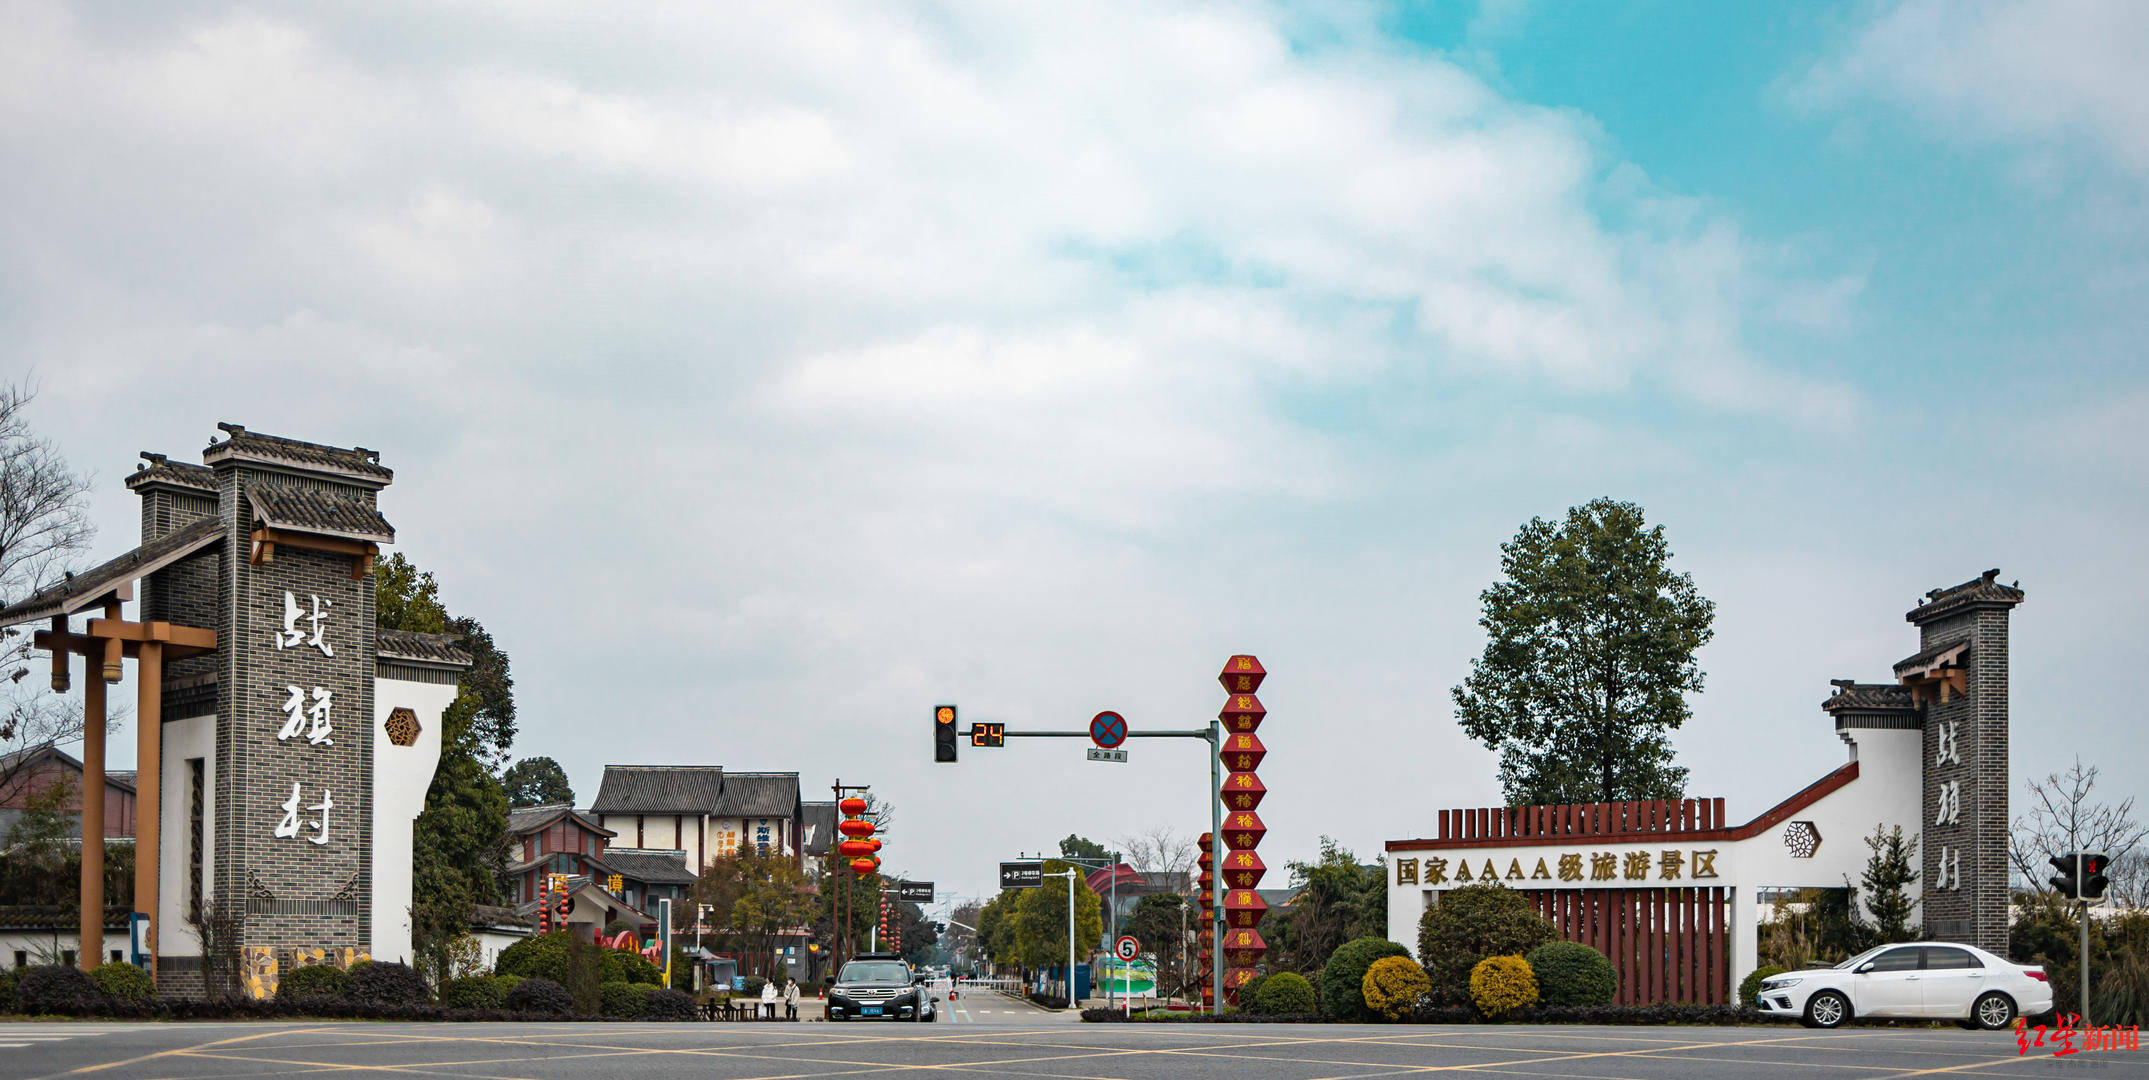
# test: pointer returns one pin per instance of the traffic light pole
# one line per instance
(2084, 906)
(1214, 736)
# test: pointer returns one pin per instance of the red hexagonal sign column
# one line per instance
(1242, 753)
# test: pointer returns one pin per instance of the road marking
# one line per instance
(184, 1050)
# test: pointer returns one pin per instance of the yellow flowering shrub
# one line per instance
(1502, 983)
(1393, 986)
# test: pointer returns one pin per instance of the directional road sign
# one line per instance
(1126, 948)
(1022, 875)
(917, 892)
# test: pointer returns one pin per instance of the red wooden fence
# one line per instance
(1668, 945)
(1602, 819)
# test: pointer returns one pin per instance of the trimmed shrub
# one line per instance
(1102, 1015)
(1467, 925)
(752, 988)
(620, 965)
(122, 981)
(314, 981)
(1750, 986)
(53, 988)
(665, 1004)
(476, 992)
(1502, 984)
(7, 990)
(1286, 994)
(619, 999)
(1393, 986)
(387, 983)
(1343, 980)
(1571, 973)
(539, 956)
(541, 996)
(1251, 993)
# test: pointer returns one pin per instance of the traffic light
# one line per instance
(2093, 879)
(2065, 881)
(944, 733)
(988, 734)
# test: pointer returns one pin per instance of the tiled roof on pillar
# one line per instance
(91, 587)
(1983, 590)
(648, 866)
(158, 469)
(659, 789)
(241, 444)
(293, 509)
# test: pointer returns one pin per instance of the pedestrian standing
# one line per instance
(768, 998)
(790, 999)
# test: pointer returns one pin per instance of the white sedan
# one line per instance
(1923, 981)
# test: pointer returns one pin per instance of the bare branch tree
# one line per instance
(44, 530)
(1161, 849)
(2062, 818)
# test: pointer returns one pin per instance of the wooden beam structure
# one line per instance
(266, 540)
(107, 643)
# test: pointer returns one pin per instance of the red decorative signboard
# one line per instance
(1242, 752)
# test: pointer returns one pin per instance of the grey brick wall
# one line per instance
(298, 894)
(1975, 911)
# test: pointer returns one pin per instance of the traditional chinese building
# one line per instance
(1669, 890)
(701, 810)
(284, 742)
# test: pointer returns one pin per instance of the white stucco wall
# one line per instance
(183, 739)
(401, 775)
(1888, 791)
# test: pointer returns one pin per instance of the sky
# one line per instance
(764, 375)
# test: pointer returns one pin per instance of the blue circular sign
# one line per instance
(1108, 729)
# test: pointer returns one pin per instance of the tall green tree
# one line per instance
(461, 835)
(537, 781)
(1082, 847)
(1890, 870)
(1589, 658)
(1041, 918)
(1336, 901)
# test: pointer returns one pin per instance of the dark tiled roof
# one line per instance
(241, 443)
(752, 795)
(84, 589)
(280, 506)
(19, 917)
(817, 821)
(421, 648)
(523, 821)
(1858, 695)
(158, 469)
(1981, 590)
(647, 866)
(659, 789)
(18, 763)
(1927, 659)
(484, 915)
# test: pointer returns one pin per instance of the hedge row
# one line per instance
(1691, 1015)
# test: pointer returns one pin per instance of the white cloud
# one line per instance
(758, 372)
(2042, 75)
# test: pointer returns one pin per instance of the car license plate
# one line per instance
(870, 1010)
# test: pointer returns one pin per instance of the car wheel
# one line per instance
(1993, 1011)
(1827, 1009)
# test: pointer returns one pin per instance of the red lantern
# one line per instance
(852, 807)
(855, 828)
(1242, 674)
(856, 848)
(864, 866)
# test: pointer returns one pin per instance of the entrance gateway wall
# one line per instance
(1668, 890)
(294, 753)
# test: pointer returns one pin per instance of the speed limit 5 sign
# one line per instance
(1126, 948)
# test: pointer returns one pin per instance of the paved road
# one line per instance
(1050, 1048)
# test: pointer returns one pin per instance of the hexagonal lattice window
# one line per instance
(1802, 838)
(402, 727)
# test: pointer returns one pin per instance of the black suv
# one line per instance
(879, 986)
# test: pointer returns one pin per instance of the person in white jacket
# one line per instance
(790, 999)
(768, 998)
